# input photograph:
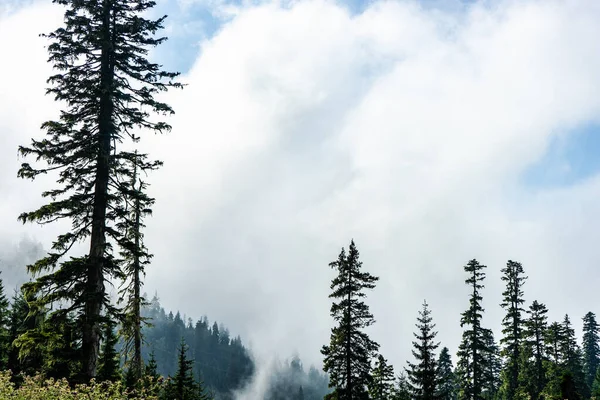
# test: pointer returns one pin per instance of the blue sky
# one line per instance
(569, 159)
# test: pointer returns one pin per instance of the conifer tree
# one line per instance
(108, 87)
(402, 390)
(512, 326)
(183, 386)
(135, 257)
(573, 358)
(5, 344)
(382, 385)
(108, 363)
(422, 374)
(492, 366)
(347, 359)
(536, 326)
(471, 361)
(447, 385)
(591, 348)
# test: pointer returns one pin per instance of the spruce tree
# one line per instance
(512, 326)
(183, 386)
(108, 363)
(446, 380)
(135, 257)
(471, 361)
(422, 374)
(382, 385)
(573, 358)
(108, 86)
(347, 359)
(536, 326)
(591, 348)
(5, 343)
(492, 366)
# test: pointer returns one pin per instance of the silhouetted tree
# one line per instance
(512, 326)
(347, 358)
(382, 385)
(471, 360)
(422, 374)
(108, 88)
(447, 385)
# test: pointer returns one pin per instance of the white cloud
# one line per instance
(405, 128)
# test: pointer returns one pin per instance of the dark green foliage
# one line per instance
(568, 387)
(471, 361)
(183, 386)
(492, 366)
(512, 326)
(5, 343)
(573, 358)
(108, 87)
(595, 392)
(108, 363)
(534, 360)
(591, 348)
(382, 385)
(422, 374)
(135, 258)
(347, 358)
(224, 364)
(447, 387)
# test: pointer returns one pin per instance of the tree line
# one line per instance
(534, 359)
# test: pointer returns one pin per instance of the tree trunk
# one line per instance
(95, 273)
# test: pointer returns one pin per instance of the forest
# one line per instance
(63, 336)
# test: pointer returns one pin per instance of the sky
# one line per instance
(429, 132)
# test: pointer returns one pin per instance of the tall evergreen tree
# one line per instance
(136, 257)
(573, 359)
(108, 87)
(492, 366)
(347, 359)
(471, 361)
(512, 326)
(4, 328)
(422, 374)
(591, 348)
(536, 326)
(382, 385)
(447, 386)
(108, 365)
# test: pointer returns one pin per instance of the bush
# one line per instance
(38, 388)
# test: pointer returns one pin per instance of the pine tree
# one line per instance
(382, 385)
(492, 366)
(183, 386)
(136, 258)
(108, 86)
(591, 348)
(347, 359)
(573, 359)
(108, 363)
(512, 324)
(422, 374)
(471, 361)
(536, 326)
(5, 344)
(447, 386)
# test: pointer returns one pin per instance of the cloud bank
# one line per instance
(405, 127)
